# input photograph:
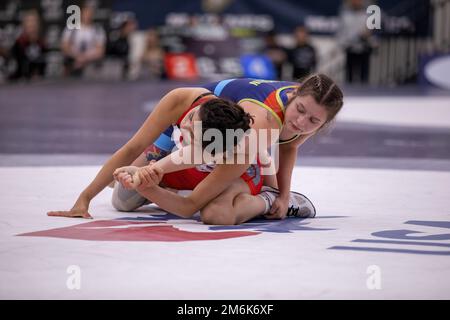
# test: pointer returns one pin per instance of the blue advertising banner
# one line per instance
(410, 16)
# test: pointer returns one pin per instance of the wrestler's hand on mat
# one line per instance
(150, 176)
(78, 211)
(279, 209)
(73, 213)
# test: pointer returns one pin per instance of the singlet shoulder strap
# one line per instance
(288, 140)
(201, 96)
(199, 100)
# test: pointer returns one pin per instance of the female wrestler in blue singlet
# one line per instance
(298, 111)
(223, 196)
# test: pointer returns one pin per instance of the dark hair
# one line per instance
(222, 114)
(325, 91)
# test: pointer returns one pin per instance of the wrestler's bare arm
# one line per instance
(207, 190)
(131, 176)
(168, 110)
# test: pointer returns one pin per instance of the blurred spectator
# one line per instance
(356, 40)
(153, 57)
(29, 49)
(303, 55)
(4, 53)
(119, 47)
(83, 46)
(276, 53)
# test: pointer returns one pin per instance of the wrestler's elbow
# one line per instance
(189, 208)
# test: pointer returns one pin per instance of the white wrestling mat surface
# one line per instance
(379, 234)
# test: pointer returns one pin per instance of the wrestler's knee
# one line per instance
(217, 214)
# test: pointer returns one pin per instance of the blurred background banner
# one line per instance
(297, 38)
(284, 15)
(434, 70)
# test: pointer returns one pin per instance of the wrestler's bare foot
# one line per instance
(126, 180)
(127, 177)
